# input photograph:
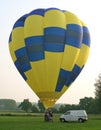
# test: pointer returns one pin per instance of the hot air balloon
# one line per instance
(49, 47)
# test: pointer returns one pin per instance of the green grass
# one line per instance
(37, 123)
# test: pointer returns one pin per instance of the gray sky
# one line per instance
(12, 84)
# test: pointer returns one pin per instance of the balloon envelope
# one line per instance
(49, 48)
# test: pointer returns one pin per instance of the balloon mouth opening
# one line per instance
(48, 103)
(48, 98)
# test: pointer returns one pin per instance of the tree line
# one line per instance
(87, 103)
(91, 105)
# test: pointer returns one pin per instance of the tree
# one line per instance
(65, 107)
(93, 108)
(26, 105)
(41, 106)
(98, 91)
(54, 110)
(85, 103)
(7, 104)
(35, 109)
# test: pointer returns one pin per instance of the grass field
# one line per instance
(37, 123)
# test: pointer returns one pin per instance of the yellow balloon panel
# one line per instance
(36, 77)
(54, 18)
(11, 49)
(83, 55)
(18, 38)
(69, 58)
(71, 18)
(35, 29)
(52, 66)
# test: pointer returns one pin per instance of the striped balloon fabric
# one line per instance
(49, 48)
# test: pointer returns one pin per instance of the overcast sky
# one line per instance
(12, 84)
